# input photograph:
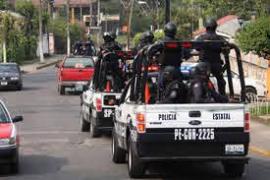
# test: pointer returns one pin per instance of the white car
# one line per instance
(254, 88)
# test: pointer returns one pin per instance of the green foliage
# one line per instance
(3, 4)
(29, 33)
(159, 34)
(59, 28)
(255, 37)
(136, 39)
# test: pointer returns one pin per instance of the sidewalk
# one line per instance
(32, 67)
(260, 139)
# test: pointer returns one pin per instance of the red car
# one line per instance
(9, 139)
(74, 72)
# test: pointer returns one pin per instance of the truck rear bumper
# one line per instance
(73, 83)
(162, 147)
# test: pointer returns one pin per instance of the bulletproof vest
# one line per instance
(211, 54)
(170, 57)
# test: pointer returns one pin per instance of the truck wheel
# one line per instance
(61, 90)
(19, 87)
(94, 132)
(118, 154)
(136, 168)
(234, 169)
(85, 126)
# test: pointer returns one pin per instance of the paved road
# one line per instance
(53, 148)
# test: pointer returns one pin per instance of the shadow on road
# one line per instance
(186, 171)
(36, 165)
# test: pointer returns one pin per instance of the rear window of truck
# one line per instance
(78, 63)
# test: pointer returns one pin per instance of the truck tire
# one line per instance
(234, 169)
(19, 87)
(61, 90)
(85, 126)
(136, 168)
(94, 132)
(118, 154)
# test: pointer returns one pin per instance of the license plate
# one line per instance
(79, 87)
(194, 134)
(231, 149)
(4, 83)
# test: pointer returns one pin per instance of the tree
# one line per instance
(30, 30)
(10, 25)
(255, 37)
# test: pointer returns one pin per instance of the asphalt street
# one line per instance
(52, 146)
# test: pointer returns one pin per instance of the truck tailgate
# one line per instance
(76, 74)
(195, 116)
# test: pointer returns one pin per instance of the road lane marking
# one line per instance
(260, 151)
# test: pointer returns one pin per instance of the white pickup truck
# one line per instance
(155, 131)
(97, 110)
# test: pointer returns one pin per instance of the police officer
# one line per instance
(212, 55)
(110, 43)
(147, 38)
(175, 91)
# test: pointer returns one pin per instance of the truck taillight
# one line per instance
(140, 123)
(98, 105)
(247, 122)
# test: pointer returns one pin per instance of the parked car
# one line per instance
(9, 139)
(10, 76)
(254, 88)
(74, 72)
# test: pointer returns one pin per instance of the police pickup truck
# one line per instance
(98, 101)
(154, 131)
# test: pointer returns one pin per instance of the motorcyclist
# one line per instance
(212, 55)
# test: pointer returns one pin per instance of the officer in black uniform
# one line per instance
(147, 38)
(201, 89)
(109, 42)
(212, 55)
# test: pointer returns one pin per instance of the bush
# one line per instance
(136, 39)
(159, 34)
(255, 37)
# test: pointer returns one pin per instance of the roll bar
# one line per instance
(205, 45)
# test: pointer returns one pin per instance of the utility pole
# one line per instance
(167, 11)
(68, 28)
(90, 19)
(41, 56)
(98, 22)
(130, 22)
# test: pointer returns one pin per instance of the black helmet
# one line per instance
(170, 29)
(149, 36)
(109, 36)
(170, 73)
(201, 69)
(211, 24)
(143, 38)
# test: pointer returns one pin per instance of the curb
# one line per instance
(260, 120)
(47, 65)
